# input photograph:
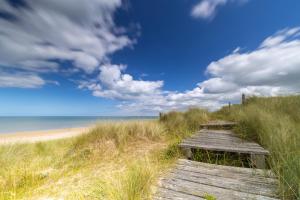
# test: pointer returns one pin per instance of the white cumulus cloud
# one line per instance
(273, 64)
(207, 9)
(113, 83)
(36, 35)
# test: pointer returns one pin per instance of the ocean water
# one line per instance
(18, 124)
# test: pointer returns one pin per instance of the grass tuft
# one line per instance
(183, 124)
(132, 183)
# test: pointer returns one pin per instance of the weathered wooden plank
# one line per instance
(223, 148)
(222, 169)
(194, 180)
(216, 131)
(222, 140)
(220, 124)
(226, 146)
(164, 194)
(226, 183)
(214, 136)
(217, 136)
(251, 178)
(249, 148)
(254, 179)
(269, 183)
(225, 124)
(222, 136)
(202, 190)
(227, 132)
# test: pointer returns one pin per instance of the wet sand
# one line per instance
(44, 135)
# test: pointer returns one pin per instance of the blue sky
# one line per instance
(133, 57)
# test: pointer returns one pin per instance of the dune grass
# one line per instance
(51, 169)
(115, 160)
(274, 122)
(183, 124)
(123, 160)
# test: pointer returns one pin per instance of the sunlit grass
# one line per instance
(182, 124)
(29, 170)
(123, 160)
(132, 183)
(275, 123)
(115, 160)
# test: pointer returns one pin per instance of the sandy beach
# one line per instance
(43, 135)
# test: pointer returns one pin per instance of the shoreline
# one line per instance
(42, 135)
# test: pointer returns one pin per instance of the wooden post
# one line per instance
(229, 105)
(188, 153)
(243, 99)
(258, 161)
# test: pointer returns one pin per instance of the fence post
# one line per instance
(229, 105)
(243, 99)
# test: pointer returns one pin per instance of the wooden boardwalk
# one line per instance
(225, 141)
(190, 180)
(218, 124)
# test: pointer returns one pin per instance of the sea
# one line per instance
(21, 124)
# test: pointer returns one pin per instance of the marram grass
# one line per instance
(115, 160)
(123, 160)
(50, 168)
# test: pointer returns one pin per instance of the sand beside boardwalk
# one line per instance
(35, 136)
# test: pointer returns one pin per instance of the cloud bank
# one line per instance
(272, 69)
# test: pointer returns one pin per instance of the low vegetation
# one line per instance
(183, 124)
(275, 123)
(122, 160)
(115, 161)
(112, 161)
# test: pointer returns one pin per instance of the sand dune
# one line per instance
(35, 136)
